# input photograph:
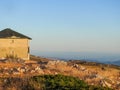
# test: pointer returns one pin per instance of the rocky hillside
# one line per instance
(91, 73)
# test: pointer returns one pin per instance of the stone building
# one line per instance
(14, 44)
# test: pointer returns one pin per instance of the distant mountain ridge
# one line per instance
(116, 62)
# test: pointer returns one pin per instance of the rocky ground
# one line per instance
(93, 74)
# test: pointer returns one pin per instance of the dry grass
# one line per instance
(87, 74)
(107, 72)
(10, 65)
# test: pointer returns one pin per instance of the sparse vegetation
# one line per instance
(87, 63)
(48, 82)
(46, 74)
(13, 58)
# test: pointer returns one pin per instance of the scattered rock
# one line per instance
(60, 67)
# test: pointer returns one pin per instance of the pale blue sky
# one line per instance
(65, 25)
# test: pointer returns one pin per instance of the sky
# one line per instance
(65, 25)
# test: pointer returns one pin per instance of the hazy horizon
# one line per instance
(93, 56)
(65, 25)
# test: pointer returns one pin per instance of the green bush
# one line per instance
(61, 82)
(48, 82)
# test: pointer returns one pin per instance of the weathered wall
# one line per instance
(16, 47)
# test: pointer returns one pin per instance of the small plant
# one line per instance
(13, 58)
(10, 56)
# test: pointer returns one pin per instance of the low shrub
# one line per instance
(48, 82)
